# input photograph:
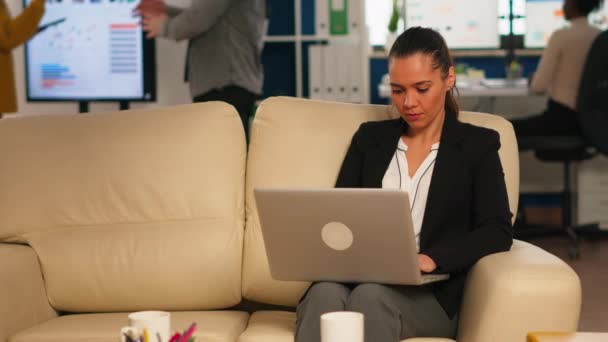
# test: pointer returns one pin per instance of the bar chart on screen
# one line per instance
(88, 50)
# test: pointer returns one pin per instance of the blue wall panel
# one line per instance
(377, 68)
(279, 69)
(281, 17)
(308, 17)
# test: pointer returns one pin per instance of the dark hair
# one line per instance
(428, 42)
(587, 6)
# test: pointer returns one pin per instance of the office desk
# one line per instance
(489, 89)
(495, 87)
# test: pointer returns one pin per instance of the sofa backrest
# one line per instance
(301, 143)
(131, 210)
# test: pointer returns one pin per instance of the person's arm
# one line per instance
(173, 11)
(196, 19)
(350, 172)
(21, 28)
(547, 67)
(492, 231)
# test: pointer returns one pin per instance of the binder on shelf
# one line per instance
(330, 63)
(338, 17)
(322, 18)
(343, 55)
(356, 18)
(355, 77)
(315, 71)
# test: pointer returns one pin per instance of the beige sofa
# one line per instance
(105, 214)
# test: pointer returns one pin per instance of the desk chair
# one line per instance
(593, 120)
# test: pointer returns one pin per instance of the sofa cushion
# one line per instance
(301, 143)
(509, 154)
(294, 143)
(129, 210)
(279, 326)
(23, 300)
(270, 326)
(428, 339)
(216, 326)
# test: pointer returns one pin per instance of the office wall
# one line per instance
(171, 87)
(536, 176)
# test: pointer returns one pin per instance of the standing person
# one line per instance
(458, 198)
(14, 32)
(224, 48)
(559, 73)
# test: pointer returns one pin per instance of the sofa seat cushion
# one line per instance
(428, 339)
(279, 326)
(270, 326)
(212, 326)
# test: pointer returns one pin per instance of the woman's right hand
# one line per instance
(426, 264)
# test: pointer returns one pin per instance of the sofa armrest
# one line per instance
(510, 294)
(22, 294)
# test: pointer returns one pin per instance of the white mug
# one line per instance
(157, 324)
(342, 326)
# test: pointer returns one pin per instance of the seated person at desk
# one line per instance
(458, 196)
(559, 73)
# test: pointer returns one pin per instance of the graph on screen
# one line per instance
(454, 21)
(88, 50)
(543, 18)
(546, 16)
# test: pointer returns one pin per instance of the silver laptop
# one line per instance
(342, 235)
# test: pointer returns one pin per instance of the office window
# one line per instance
(378, 13)
(504, 15)
(518, 10)
(504, 11)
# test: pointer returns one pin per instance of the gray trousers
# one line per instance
(392, 313)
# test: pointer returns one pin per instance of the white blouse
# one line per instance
(397, 177)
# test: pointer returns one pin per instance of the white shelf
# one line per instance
(293, 39)
(298, 40)
(313, 38)
(280, 39)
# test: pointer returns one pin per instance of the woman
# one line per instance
(559, 73)
(14, 32)
(457, 192)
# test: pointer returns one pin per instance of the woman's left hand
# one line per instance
(427, 264)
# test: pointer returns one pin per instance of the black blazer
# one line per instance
(467, 212)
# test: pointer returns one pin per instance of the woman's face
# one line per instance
(418, 90)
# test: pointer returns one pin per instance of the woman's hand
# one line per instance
(427, 264)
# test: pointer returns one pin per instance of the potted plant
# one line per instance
(393, 24)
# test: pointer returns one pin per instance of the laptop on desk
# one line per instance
(342, 235)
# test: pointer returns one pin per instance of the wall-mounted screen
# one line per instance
(90, 50)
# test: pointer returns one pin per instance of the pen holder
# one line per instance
(514, 72)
